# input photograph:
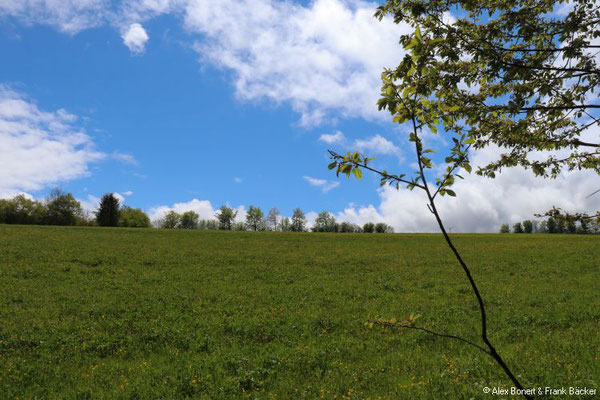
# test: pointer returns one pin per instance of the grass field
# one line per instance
(125, 313)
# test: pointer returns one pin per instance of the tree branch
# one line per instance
(418, 328)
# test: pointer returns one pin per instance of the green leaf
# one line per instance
(418, 33)
(468, 168)
(469, 141)
(332, 165)
(451, 192)
(358, 173)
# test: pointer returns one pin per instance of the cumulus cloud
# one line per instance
(203, 208)
(377, 145)
(39, 148)
(323, 58)
(333, 138)
(482, 204)
(135, 38)
(323, 184)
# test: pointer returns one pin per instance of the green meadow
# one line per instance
(173, 314)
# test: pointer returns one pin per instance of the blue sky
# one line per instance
(222, 102)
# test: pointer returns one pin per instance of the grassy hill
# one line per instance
(125, 313)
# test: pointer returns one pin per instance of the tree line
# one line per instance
(60, 208)
(273, 221)
(555, 224)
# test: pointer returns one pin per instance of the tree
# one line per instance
(369, 227)
(528, 226)
(171, 220)
(571, 226)
(504, 228)
(552, 226)
(325, 222)
(62, 209)
(298, 221)
(285, 225)
(584, 227)
(226, 217)
(381, 227)
(133, 218)
(521, 76)
(426, 91)
(21, 210)
(108, 210)
(254, 218)
(189, 220)
(518, 228)
(273, 218)
(347, 227)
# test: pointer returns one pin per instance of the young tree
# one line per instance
(189, 220)
(369, 227)
(171, 220)
(226, 217)
(254, 218)
(273, 218)
(108, 210)
(529, 75)
(298, 221)
(504, 228)
(527, 226)
(62, 209)
(133, 218)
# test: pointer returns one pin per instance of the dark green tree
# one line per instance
(518, 228)
(62, 209)
(369, 227)
(21, 210)
(504, 228)
(325, 222)
(189, 220)
(108, 210)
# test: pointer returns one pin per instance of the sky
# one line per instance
(191, 104)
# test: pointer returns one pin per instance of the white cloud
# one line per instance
(377, 145)
(324, 58)
(39, 148)
(323, 184)
(135, 38)
(128, 193)
(482, 204)
(333, 138)
(237, 179)
(124, 157)
(203, 208)
(321, 58)
(69, 16)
